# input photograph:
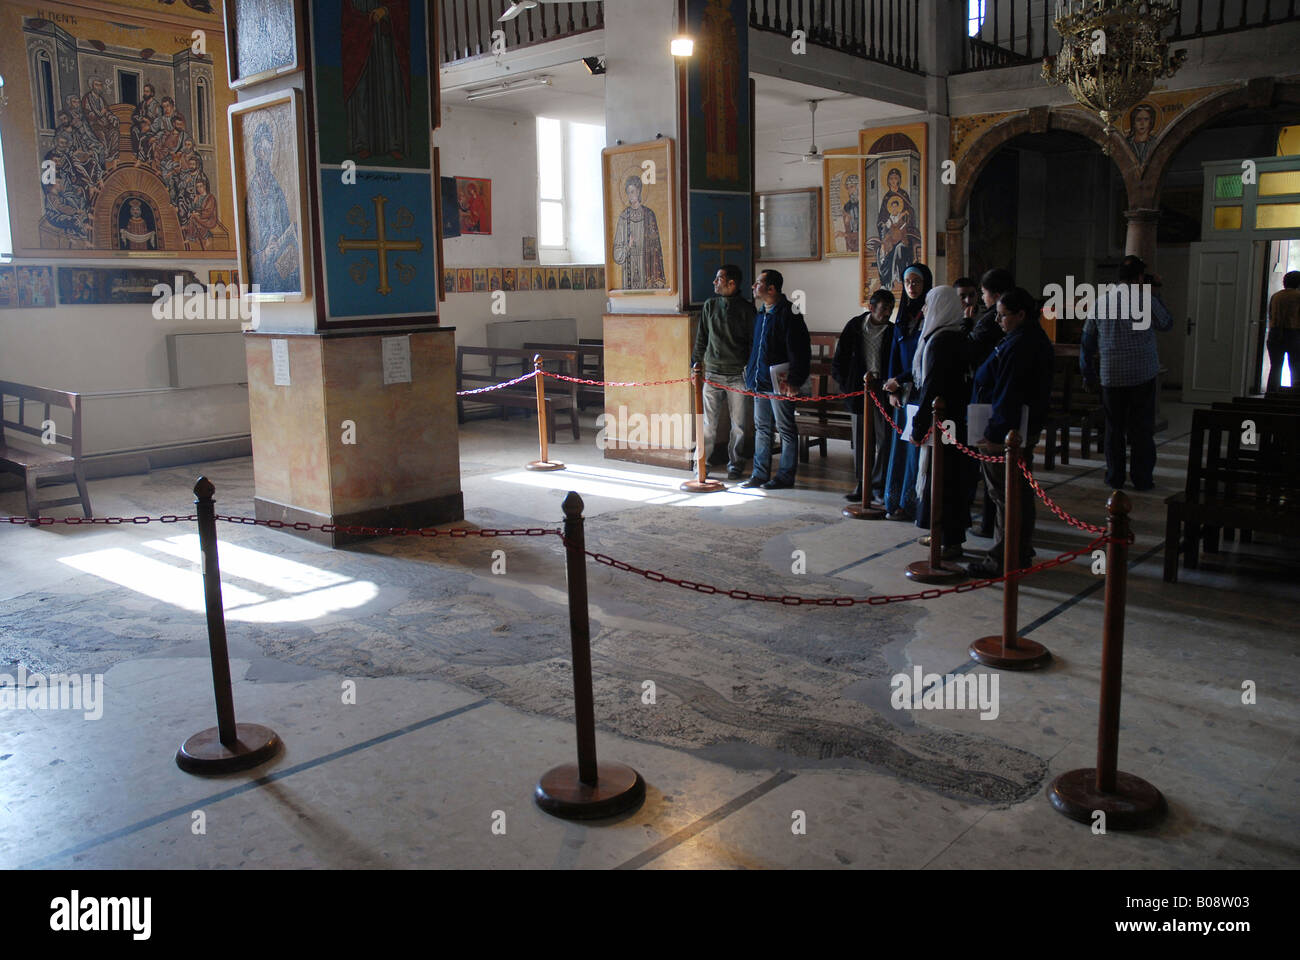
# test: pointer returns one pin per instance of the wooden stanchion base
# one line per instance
(1025, 655)
(923, 572)
(1134, 804)
(544, 465)
(702, 486)
(618, 789)
(204, 753)
(856, 511)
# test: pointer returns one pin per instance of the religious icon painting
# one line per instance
(507, 278)
(80, 285)
(450, 207)
(552, 278)
(717, 96)
(523, 279)
(494, 278)
(464, 280)
(123, 142)
(8, 288)
(374, 88)
(474, 203)
(225, 282)
(721, 232)
(35, 286)
(566, 278)
(579, 278)
(480, 279)
(273, 227)
(842, 214)
(530, 248)
(539, 278)
(263, 39)
(600, 279)
(592, 282)
(640, 218)
(448, 281)
(894, 202)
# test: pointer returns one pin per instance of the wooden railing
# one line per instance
(886, 31)
(466, 27)
(1011, 32)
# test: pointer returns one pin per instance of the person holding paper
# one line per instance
(1017, 374)
(900, 482)
(779, 361)
(941, 369)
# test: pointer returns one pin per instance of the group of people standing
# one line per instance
(936, 341)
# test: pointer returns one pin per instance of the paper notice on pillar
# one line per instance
(280, 362)
(977, 422)
(397, 360)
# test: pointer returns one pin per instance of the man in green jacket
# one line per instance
(723, 345)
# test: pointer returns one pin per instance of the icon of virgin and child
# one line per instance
(898, 234)
(637, 248)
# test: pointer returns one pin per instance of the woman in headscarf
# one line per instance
(900, 483)
(941, 369)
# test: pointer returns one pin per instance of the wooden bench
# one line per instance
(560, 394)
(591, 366)
(1229, 486)
(822, 420)
(43, 460)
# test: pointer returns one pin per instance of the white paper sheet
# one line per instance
(977, 421)
(397, 360)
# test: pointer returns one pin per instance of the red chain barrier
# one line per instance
(795, 601)
(890, 420)
(1052, 505)
(346, 529)
(614, 383)
(106, 521)
(497, 386)
(781, 396)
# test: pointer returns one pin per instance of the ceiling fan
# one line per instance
(815, 155)
(519, 6)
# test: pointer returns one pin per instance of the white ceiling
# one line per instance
(575, 94)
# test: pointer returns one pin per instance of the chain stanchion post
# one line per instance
(1010, 651)
(1128, 802)
(543, 441)
(586, 790)
(934, 570)
(864, 510)
(229, 746)
(702, 483)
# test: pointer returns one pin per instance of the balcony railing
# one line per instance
(882, 30)
(1004, 33)
(467, 25)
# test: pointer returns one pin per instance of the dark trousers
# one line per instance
(1282, 342)
(881, 431)
(1130, 419)
(956, 504)
(995, 481)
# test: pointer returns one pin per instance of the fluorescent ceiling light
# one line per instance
(508, 86)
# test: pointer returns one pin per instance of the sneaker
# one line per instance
(775, 484)
(898, 515)
(924, 541)
(753, 482)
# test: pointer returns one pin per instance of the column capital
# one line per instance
(1142, 215)
(956, 223)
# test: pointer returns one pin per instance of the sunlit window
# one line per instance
(550, 183)
(6, 238)
(974, 16)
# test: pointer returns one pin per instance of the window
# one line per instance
(45, 79)
(550, 184)
(6, 238)
(974, 17)
(203, 109)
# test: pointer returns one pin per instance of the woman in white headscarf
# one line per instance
(941, 369)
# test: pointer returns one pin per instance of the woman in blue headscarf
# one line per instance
(900, 482)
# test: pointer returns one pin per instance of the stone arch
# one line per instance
(1257, 94)
(1033, 120)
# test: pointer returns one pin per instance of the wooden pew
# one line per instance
(823, 420)
(1229, 486)
(560, 394)
(591, 366)
(39, 460)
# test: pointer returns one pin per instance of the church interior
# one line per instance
(372, 324)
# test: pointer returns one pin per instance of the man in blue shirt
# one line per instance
(780, 336)
(1125, 345)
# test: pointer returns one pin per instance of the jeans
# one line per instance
(995, 481)
(1282, 342)
(732, 409)
(900, 482)
(1131, 417)
(767, 414)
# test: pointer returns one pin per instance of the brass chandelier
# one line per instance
(1112, 53)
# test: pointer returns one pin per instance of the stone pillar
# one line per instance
(1141, 237)
(955, 249)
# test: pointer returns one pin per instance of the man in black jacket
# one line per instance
(780, 337)
(722, 346)
(863, 348)
(983, 334)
